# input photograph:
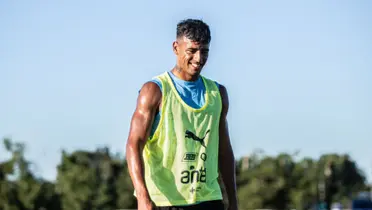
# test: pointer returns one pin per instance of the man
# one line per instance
(178, 139)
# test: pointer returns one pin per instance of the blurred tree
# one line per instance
(267, 185)
(330, 183)
(93, 180)
(281, 183)
(98, 180)
(20, 189)
(48, 198)
(8, 194)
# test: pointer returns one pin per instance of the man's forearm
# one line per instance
(136, 170)
(227, 168)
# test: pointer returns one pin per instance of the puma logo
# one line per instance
(191, 135)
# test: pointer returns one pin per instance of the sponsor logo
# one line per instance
(192, 136)
(189, 156)
(194, 175)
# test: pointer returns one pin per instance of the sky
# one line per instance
(298, 73)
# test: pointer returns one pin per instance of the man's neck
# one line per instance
(183, 76)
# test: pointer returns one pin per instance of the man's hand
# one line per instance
(145, 204)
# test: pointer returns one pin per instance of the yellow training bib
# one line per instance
(181, 158)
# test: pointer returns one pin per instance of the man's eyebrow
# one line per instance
(196, 48)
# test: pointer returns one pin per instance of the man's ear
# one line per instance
(175, 47)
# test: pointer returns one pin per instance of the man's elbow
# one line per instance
(130, 148)
(134, 146)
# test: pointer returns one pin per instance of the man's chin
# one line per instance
(195, 74)
(195, 71)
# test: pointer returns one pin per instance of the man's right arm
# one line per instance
(148, 102)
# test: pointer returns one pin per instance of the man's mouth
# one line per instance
(195, 65)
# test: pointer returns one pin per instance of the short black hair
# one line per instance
(195, 30)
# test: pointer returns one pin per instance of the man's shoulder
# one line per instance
(157, 82)
(149, 96)
(150, 87)
(149, 93)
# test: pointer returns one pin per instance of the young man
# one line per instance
(178, 139)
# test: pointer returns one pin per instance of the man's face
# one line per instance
(191, 56)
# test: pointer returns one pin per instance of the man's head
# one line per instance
(192, 46)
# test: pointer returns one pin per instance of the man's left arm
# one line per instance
(226, 154)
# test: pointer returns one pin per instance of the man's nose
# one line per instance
(197, 56)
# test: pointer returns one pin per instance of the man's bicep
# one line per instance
(147, 104)
(223, 127)
(225, 102)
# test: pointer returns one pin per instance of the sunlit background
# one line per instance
(298, 73)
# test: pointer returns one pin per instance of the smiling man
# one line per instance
(178, 139)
